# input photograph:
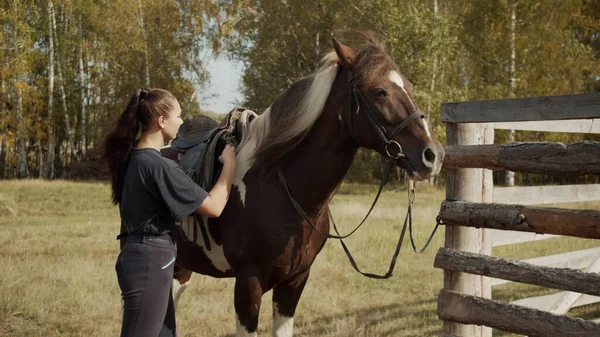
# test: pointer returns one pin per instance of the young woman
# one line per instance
(153, 193)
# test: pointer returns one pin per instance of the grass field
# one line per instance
(58, 249)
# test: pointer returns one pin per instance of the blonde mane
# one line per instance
(282, 126)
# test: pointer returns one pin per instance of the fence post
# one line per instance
(473, 185)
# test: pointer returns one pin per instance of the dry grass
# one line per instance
(58, 248)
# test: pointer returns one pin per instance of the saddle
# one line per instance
(199, 143)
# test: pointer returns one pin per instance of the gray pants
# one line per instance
(145, 273)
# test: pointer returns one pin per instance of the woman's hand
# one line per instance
(217, 198)
(228, 155)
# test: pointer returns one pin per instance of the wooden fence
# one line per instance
(481, 216)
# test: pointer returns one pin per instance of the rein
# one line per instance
(358, 97)
(407, 223)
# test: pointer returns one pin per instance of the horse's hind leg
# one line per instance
(248, 295)
(286, 296)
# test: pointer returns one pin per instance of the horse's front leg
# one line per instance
(248, 295)
(286, 296)
(181, 277)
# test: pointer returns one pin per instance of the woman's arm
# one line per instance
(217, 198)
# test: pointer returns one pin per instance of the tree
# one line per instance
(282, 41)
(19, 43)
(48, 170)
(78, 47)
(510, 176)
(61, 80)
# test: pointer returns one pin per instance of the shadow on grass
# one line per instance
(371, 316)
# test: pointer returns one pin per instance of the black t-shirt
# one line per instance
(156, 194)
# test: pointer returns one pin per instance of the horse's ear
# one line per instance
(346, 54)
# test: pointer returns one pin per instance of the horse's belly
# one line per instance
(194, 255)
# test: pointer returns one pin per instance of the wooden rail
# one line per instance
(523, 109)
(538, 195)
(518, 271)
(577, 223)
(550, 158)
(578, 259)
(466, 309)
(545, 302)
(504, 237)
(572, 126)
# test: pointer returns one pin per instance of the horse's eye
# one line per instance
(380, 92)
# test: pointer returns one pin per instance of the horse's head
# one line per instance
(383, 115)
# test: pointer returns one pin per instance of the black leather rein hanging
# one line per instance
(358, 98)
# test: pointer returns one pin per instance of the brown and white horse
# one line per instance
(310, 134)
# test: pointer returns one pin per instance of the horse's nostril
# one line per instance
(429, 157)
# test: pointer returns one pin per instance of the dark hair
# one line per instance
(144, 106)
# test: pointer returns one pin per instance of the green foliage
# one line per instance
(454, 50)
(281, 41)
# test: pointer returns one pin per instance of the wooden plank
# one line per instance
(579, 259)
(542, 157)
(567, 299)
(504, 237)
(538, 195)
(465, 184)
(591, 126)
(564, 302)
(457, 307)
(574, 260)
(545, 301)
(523, 109)
(571, 222)
(518, 271)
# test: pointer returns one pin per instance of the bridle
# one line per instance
(358, 100)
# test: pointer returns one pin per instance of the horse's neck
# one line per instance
(321, 160)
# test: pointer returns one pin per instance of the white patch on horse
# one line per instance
(394, 77)
(426, 126)
(283, 326)
(245, 151)
(240, 330)
(216, 254)
(241, 168)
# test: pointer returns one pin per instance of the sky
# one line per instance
(225, 80)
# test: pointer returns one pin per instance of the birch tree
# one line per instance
(509, 179)
(48, 171)
(21, 169)
(82, 125)
(140, 18)
(61, 91)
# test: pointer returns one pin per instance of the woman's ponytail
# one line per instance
(120, 141)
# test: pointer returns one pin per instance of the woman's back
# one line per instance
(156, 194)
